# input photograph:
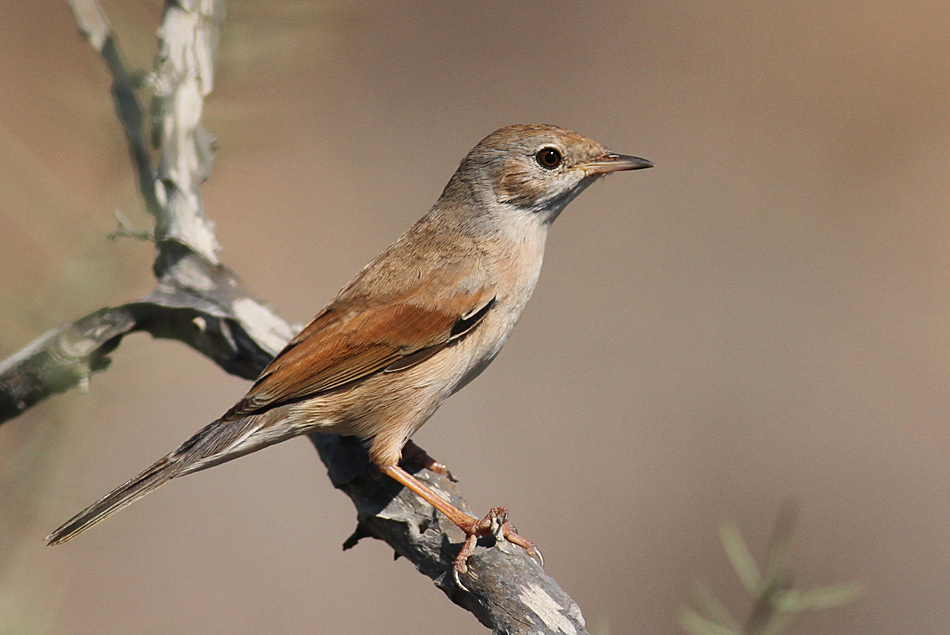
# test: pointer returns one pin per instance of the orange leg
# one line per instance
(496, 522)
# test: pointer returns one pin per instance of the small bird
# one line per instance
(414, 326)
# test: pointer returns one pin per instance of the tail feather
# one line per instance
(158, 474)
(216, 443)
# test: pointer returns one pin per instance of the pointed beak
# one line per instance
(612, 162)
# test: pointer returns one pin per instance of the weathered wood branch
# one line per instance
(202, 303)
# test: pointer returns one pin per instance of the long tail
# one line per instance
(213, 444)
(159, 473)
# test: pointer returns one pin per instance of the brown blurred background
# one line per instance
(764, 315)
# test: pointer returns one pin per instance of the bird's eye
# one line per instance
(549, 158)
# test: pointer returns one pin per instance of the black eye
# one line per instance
(549, 158)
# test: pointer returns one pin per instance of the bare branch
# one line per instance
(202, 303)
(60, 360)
(184, 76)
(509, 592)
(95, 26)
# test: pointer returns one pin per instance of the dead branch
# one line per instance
(202, 303)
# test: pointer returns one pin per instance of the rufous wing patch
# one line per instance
(344, 345)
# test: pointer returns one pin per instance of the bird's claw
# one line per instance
(460, 566)
(535, 553)
(496, 524)
(458, 581)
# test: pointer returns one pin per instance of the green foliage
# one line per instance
(775, 605)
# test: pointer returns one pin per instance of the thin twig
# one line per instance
(776, 606)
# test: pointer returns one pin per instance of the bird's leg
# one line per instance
(494, 524)
(412, 452)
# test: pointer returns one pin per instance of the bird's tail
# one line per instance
(216, 443)
(159, 473)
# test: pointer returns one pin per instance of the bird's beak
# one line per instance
(612, 162)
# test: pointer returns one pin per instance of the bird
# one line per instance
(414, 326)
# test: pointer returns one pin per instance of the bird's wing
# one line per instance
(347, 342)
(351, 340)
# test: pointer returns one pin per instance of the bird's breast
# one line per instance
(514, 258)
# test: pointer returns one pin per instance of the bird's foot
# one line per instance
(496, 524)
(415, 454)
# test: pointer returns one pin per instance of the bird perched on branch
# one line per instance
(414, 326)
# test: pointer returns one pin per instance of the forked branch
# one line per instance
(202, 303)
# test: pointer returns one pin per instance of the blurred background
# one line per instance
(763, 316)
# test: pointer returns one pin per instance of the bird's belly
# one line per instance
(476, 368)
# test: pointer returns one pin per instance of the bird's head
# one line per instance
(539, 168)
